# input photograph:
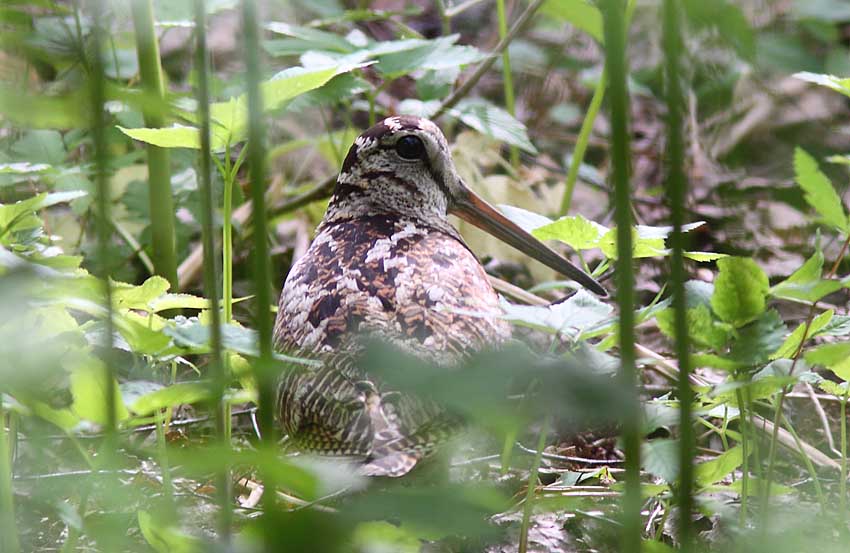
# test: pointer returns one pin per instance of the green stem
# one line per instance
(613, 12)
(162, 452)
(810, 468)
(218, 369)
(528, 507)
(264, 367)
(676, 194)
(227, 239)
(97, 86)
(159, 165)
(507, 76)
(8, 529)
(745, 466)
(842, 484)
(582, 142)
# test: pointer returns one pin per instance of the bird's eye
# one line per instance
(410, 147)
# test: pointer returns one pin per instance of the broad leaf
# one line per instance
(717, 469)
(792, 343)
(739, 290)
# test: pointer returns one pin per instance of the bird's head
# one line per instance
(403, 166)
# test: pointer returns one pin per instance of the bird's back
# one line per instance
(418, 287)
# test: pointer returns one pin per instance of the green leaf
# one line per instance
(806, 283)
(661, 458)
(717, 469)
(309, 39)
(835, 357)
(739, 290)
(176, 394)
(493, 121)
(704, 257)
(40, 146)
(397, 58)
(165, 538)
(576, 231)
(716, 362)
(757, 340)
(819, 192)
(176, 136)
(837, 84)
(792, 343)
(579, 312)
(579, 13)
(126, 296)
(834, 388)
(89, 383)
(702, 327)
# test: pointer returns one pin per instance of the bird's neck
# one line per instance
(358, 200)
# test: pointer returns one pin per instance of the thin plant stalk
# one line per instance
(507, 76)
(842, 481)
(162, 453)
(218, 370)
(582, 142)
(613, 12)
(159, 166)
(97, 85)
(586, 128)
(745, 450)
(676, 194)
(528, 507)
(810, 467)
(8, 529)
(264, 367)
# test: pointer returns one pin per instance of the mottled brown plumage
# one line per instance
(386, 261)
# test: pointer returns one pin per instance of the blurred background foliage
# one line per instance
(540, 467)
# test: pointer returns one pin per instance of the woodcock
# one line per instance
(386, 260)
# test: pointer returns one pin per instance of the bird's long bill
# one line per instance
(474, 209)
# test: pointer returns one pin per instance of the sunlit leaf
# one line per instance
(175, 136)
(576, 231)
(819, 191)
(739, 290)
(837, 84)
(715, 470)
(835, 357)
(580, 13)
(792, 343)
(170, 396)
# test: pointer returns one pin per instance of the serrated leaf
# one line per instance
(661, 458)
(757, 340)
(398, 58)
(579, 312)
(175, 136)
(819, 192)
(576, 231)
(493, 121)
(704, 257)
(806, 283)
(702, 327)
(834, 388)
(739, 290)
(139, 297)
(717, 469)
(839, 325)
(791, 344)
(835, 357)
